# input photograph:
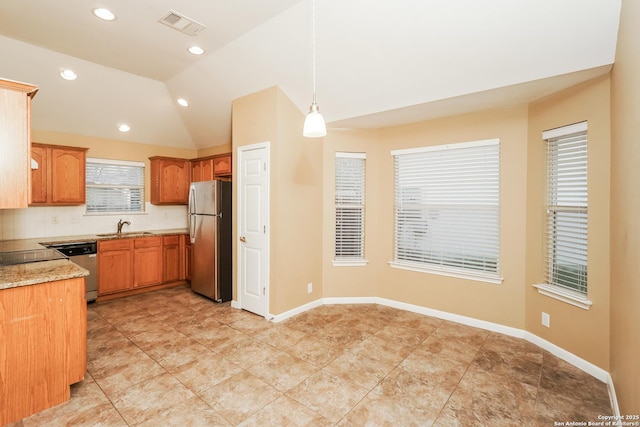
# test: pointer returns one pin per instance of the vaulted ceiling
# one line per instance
(379, 62)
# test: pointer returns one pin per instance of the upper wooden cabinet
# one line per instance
(213, 167)
(201, 170)
(222, 165)
(15, 143)
(169, 181)
(59, 178)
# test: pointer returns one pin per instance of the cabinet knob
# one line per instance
(243, 239)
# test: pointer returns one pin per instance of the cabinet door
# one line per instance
(207, 169)
(222, 165)
(33, 349)
(39, 185)
(171, 261)
(196, 171)
(147, 261)
(169, 181)
(185, 257)
(115, 271)
(67, 176)
(15, 137)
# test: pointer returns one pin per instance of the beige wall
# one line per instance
(295, 196)
(625, 205)
(515, 302)
(212, 151)
(116, 150)
(352, 281)
(502, 303)
(584, 333)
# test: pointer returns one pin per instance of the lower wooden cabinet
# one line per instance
(43, 349)
(172, 258)
(187, 257)
(115, 266)
(147, 261)
(130, 264)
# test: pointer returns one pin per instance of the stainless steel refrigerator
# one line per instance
(210, 233)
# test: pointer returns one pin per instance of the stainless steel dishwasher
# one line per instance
(83, 254)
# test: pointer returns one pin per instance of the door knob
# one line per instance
(243, 239)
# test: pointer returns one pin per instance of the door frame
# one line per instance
(266, 145)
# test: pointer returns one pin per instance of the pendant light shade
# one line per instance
(314, 126)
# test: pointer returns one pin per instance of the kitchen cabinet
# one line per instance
(212, 167)
(222, 165)
(129, 265)
(169, 180)
(172, 258)
(59, 178)
(202, 170)
(43, 346)
(15, 149)
(115, 266)
(147, 261)
(187, 256)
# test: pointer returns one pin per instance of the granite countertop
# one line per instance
(12, 276)
(37, 243)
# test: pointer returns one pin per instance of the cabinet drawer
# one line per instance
(147, 242)
(171, 240)
(114, 245)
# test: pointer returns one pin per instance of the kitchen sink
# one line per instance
(126, 235)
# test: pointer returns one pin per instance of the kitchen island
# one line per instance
(43, 335)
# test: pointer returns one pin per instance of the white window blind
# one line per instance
(114, 186)
(447, 209)
(349, 206)
(566, 237)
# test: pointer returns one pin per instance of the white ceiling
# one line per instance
(379, 62)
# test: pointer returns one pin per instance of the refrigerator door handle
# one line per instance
(192, 228)
(190, 216)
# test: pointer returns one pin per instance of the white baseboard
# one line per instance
(557, 351)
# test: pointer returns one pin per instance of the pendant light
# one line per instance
(314, 126)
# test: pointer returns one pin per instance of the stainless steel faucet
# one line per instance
(121, 223)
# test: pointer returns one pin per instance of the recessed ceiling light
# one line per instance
(68, 74)
(104, 14)
(183, 102)
(124, 127)
(196, 50)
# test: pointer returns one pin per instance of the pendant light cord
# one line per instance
(313, 46)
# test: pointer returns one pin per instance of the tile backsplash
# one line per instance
(51, 221)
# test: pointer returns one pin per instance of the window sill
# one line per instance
(350, 263)
(443, 271)
(563, 295)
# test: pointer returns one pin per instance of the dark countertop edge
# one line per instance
(13, 276)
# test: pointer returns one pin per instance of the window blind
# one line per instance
(349, 206)
(447, 207)
(114, 186)
(566, 237)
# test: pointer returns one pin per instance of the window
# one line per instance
(566, 236)
(447, 209)
(349, 204)
(114, 186)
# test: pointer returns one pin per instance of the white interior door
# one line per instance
(253, 212)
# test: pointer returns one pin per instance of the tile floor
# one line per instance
(173, 358)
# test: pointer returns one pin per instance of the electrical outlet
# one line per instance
(546, 319)
(309, 288)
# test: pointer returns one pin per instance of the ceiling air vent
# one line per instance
(181, 23)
